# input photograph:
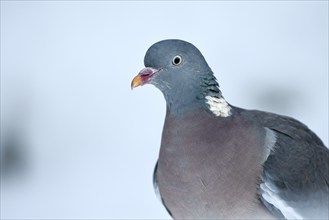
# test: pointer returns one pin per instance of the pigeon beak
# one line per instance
(143, 77)
(136, 82)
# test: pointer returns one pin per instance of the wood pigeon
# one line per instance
(218, 161)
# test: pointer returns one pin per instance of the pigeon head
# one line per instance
(180, 71)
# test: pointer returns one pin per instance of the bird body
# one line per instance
(201, 174)
(220, 161)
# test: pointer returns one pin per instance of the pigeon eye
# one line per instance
(177, 60)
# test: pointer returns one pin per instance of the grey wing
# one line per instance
(295, 177)
(156, 188)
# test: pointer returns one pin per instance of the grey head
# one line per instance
(181, 72)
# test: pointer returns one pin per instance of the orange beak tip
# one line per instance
(136, 82)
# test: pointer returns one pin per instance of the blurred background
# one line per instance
(77, 143)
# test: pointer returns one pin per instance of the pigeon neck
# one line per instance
(212, 96)
(205, 94)
(183, 100)
(209, 86)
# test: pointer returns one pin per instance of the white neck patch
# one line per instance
(218, 106)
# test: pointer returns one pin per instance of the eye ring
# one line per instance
(177, 60)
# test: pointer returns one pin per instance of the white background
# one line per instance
(83, 145)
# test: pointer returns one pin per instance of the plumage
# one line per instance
(220, 161)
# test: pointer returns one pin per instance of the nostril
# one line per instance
(148, 71)
(145, 74)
